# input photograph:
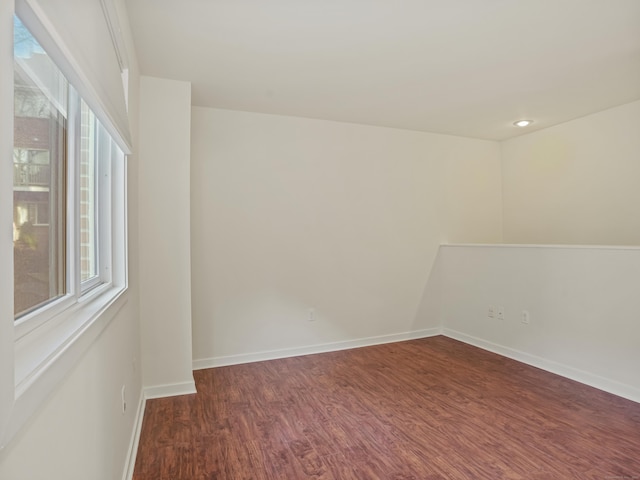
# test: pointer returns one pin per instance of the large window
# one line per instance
(63, 187)
(62, 183)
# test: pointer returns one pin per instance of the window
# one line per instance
(62, 184)
(39, 169)
(64, 190)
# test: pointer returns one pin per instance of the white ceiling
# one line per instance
(462, 67)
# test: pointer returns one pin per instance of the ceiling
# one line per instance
(461, 67)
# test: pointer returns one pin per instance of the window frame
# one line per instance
(38, 350)
(75, 287)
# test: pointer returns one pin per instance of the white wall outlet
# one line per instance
(311, 315)
(492, 311)
(500, 313)
(525, 317)
(123, 394)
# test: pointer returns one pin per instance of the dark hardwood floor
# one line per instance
(425, 409)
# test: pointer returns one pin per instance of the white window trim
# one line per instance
(36, 354)
(7, 331)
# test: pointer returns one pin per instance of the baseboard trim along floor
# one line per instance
(312, 349)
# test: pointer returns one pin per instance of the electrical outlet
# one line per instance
(311, 315)
(525, 317)
(492, 311)
(500, 313)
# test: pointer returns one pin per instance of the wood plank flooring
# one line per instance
(425, 409)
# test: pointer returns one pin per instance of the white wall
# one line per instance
(575, 183)
(164, 226)
(80, 432)
(290, 214)
(583, 305)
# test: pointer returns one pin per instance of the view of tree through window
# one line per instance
(39, 168)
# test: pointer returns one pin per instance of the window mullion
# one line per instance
(73, 192)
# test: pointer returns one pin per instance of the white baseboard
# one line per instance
(135, 439)
(620, 389)
(171, 390)
(308, 350)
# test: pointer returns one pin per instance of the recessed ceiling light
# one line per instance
(523, 123)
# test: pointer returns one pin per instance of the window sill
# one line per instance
(45, 356)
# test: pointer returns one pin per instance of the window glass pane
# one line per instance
(38, 174)
(88, 192)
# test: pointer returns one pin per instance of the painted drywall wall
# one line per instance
(81, 432)
(164, 225)
(583, 305)
(292, 214)
(575, 183)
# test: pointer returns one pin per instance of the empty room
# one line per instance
(288, 240)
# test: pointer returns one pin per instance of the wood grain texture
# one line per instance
(425, 409)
